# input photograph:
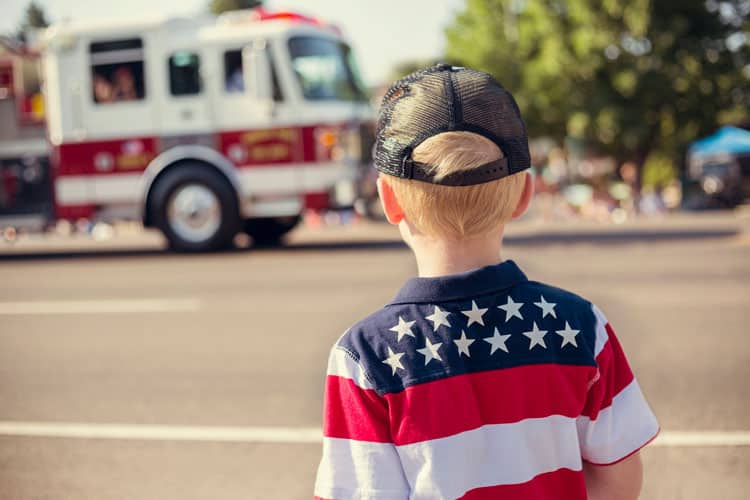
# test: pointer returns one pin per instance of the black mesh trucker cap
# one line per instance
(445, 98)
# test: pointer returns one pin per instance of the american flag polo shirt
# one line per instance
(481, 385)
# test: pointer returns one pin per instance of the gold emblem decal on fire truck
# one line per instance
(133, 162)
(134, 155)
(270, 145)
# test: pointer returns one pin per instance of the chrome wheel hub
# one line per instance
(194, 212)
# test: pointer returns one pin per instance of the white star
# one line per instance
(439, 317)
(403, 328)
(536, 336)
(475, 314)
(512, 309)
(430, 351)
(568, 335)
(547, 307)
(463, 344)
(497, 341)
(393, 360)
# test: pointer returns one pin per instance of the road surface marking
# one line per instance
(163, 432)
(702, 438)
(297, 435)
(99, 306)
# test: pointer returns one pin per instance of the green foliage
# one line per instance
(219, 6)
(628, 77)
(34, 17)
(658, 171)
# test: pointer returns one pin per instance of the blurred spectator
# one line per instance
(103, 91)
(235, 81)
(124, 85)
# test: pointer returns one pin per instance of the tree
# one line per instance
(632, 78)
(33, 18)
(219, 6)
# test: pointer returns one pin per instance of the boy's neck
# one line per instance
(436, 257)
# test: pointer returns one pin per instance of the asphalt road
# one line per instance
(120, 333)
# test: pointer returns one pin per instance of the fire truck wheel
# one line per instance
(269, 231)
(195, 208)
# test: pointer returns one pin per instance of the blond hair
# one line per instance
(457, 212)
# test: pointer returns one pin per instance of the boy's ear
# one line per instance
(391, 208)
(526, 195)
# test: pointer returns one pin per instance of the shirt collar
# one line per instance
(480, 281)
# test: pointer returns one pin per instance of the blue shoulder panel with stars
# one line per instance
(488, 319)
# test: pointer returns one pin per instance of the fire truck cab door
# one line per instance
(243, 100)
(184, 109)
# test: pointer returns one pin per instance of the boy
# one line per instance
(474, 382)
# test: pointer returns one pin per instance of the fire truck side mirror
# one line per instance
(256, 69)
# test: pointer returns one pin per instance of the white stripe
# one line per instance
(273, 180)
(341, 364)
(100, 189)
(74, 190)
(601, 331)
(119, 188)
(620, 429)
(162, 432)
(292, 177)
(100, 306)
(286, 178)
(275, 208)
(359, 469)
(300, 435)
(490, 455)
(324, 176)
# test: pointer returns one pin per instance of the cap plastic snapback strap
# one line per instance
(496, 169)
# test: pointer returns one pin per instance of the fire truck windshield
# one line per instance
(325, 69)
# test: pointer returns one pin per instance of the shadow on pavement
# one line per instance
(606, 237)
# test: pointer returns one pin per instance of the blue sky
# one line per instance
(382, 32)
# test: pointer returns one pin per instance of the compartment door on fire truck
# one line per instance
(183, 103)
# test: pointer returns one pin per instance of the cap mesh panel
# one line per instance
(420, 106)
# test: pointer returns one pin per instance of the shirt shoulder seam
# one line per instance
(356, 358)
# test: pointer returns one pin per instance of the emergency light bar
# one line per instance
(260, 14)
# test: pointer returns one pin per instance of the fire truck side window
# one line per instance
(184, 73)
(233, 76)
(117, 71)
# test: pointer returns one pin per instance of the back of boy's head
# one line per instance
(450, 141)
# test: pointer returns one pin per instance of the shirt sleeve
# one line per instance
(359, 458)
(616, 421)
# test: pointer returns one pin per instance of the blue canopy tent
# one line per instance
(721, 164)
(726, 140)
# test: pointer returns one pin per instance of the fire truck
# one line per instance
(204, 127)
(25, 188)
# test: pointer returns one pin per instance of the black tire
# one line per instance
(270, 231)
(205, 176)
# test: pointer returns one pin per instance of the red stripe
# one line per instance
(111, 157)
(562, 484)
(614, 375)
(456, 404)
(354, 413)
(74, 212)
